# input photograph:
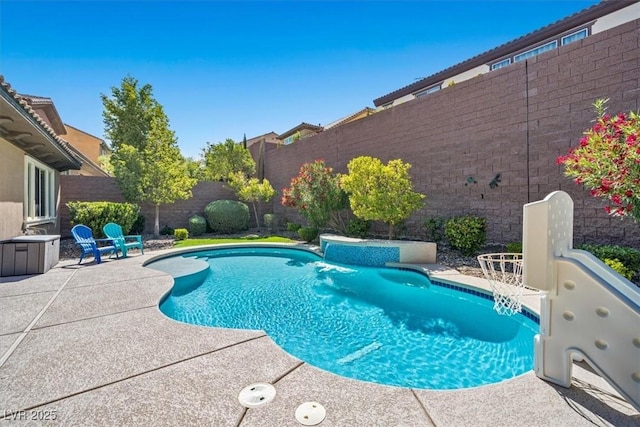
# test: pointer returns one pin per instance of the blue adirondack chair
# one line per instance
(114, 232)
(84, 238)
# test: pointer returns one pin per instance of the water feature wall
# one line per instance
(376, 253)
(587, 309)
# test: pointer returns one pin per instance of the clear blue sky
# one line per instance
(223, 69)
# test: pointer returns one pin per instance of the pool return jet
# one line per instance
(587, 310)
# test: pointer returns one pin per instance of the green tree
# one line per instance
(146, 159)
(380, 192)
(226, 158)
(317, 195)
(196, 169)
(251, 190)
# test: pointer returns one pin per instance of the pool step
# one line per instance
(188, 273)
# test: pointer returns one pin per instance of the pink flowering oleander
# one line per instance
(607, 161)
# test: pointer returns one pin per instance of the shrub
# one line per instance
(181, 234)
(293, 226)
(357, 227)
(138, 225)
(308, 234)
(197, 225)
(316, 194)
(227, 216)
(467, 233)
(630, 257)
(619, 267)
(514, 247)
(96, 214)
(435, 228)
(271, 221)
(167, 231)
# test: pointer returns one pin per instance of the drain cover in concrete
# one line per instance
(310, 413)
(257, 394)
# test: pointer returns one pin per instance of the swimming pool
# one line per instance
(381, 325)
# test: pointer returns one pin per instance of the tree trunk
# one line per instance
(156, 224)
(390, 230)
(255, 212)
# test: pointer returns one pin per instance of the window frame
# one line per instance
(35, 210)
(503, 63)
(428, 91)
(521, 56)
(582, 30)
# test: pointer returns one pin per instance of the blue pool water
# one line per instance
(381, 325)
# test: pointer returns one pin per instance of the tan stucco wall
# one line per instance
(89, 145)
(12, 193)
(11, 190)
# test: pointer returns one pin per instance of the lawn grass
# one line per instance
(196, 242)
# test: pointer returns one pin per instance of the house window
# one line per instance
(387, 105)
(39, 191)
(501, 64)
(289, 139)
(574, 36)
(427, 91)
(536, 51)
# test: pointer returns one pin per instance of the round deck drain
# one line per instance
(310, 413)
(257, 394)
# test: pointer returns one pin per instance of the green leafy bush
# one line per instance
(293, 226)
(435, 229)
(227, 216)
(357, 227)
(167, 231)
(630, 257)
(466, 233)
(514, 247)
(308, 234)
(181, 234)
(138, 225)
(96, 214)
(197, 225)
(270, 221)
(619, 267)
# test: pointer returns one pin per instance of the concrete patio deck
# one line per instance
(88, 345)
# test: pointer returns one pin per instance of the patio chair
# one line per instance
(114, 232)
(83, 236)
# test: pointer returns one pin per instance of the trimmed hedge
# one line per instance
(227, 216)
(197, 225)
(308, 234)
(181, 234)
(96, 214)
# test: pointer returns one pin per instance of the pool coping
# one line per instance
(96, 349)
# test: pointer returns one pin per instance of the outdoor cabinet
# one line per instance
(29, 255)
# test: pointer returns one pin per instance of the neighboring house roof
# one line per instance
(49, 108)
(580, 18)
(23, 127)
(270, 137)
(300, 127)
(367, 111)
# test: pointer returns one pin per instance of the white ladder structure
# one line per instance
(587, 309)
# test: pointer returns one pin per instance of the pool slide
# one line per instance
(587, 309)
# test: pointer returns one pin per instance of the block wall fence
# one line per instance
(514, 122)
(510, 123)
(176, 215)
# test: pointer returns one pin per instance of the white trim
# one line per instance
(427, 91)
(48, 209)
(585, 31)
(500, 64)
(553, 44)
